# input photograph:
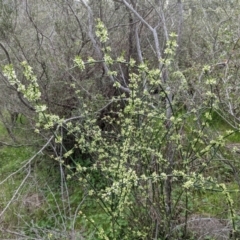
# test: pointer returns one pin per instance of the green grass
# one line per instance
(11, 159)
(220, 125)
(214, 203)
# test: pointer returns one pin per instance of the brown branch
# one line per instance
(6, 52)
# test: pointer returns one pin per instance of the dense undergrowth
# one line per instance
(42, 212)
(147, 169)
(50, 206)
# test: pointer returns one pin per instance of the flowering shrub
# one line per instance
(143, 168)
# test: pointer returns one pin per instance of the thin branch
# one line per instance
(180, 25)
(6, 52)
(16, 192)
(97, 48)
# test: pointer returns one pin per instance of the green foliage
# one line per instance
(143, 173)
(134, 164)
